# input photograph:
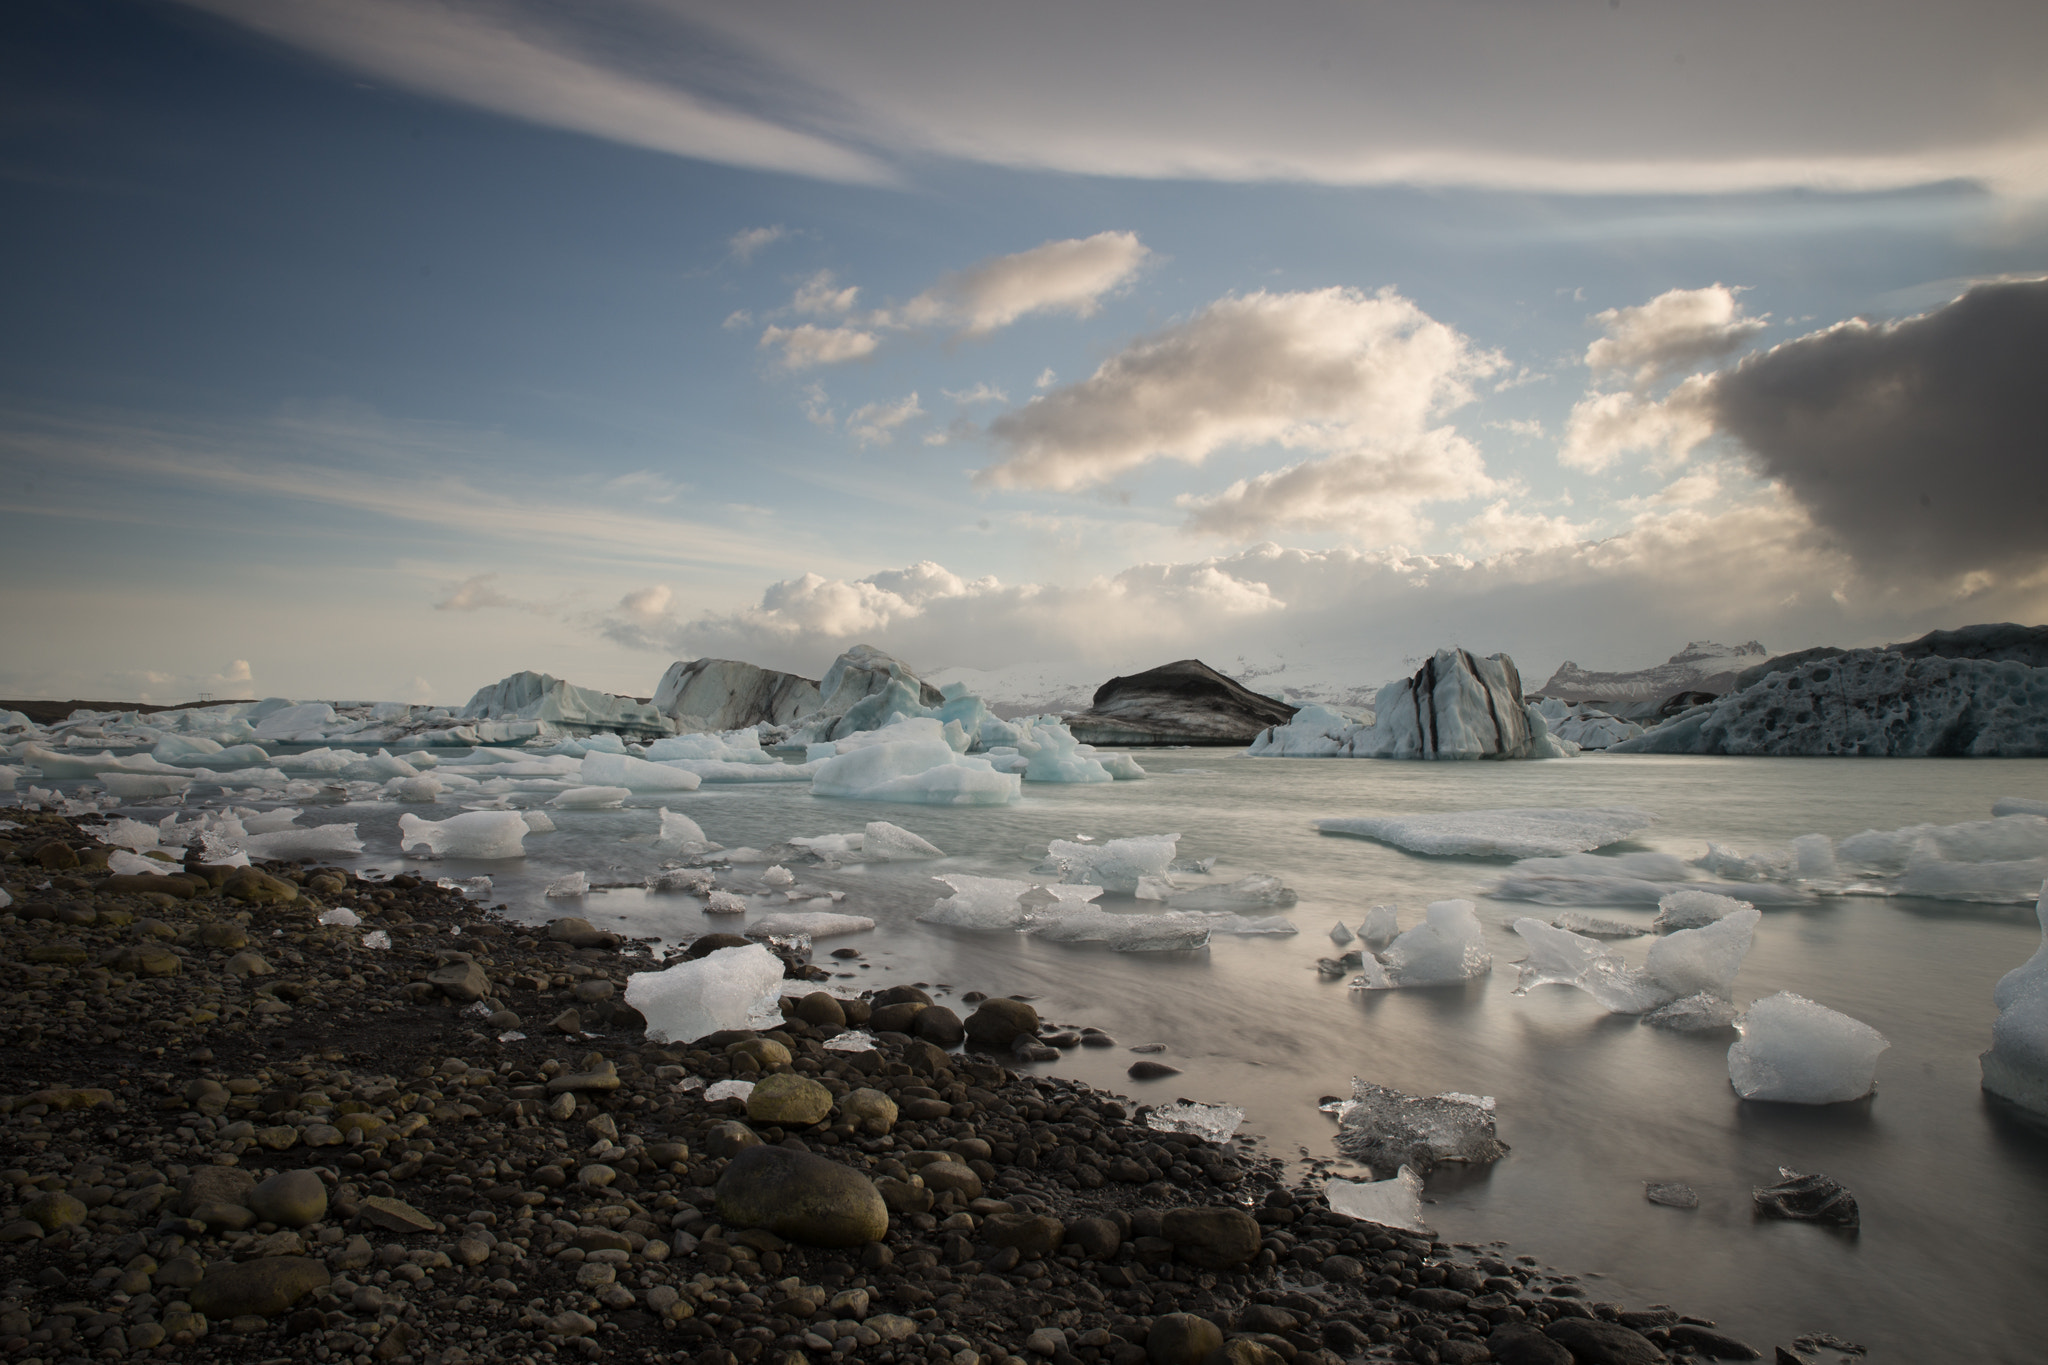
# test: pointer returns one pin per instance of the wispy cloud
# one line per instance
(1069, 276)
(876, 423)
(744, 244)
(808, 345)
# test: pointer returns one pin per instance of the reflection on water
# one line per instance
(1953, 1189)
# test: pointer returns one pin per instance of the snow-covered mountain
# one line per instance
(1701, 666)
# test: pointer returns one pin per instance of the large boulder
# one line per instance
(1213, 1238)
(717, 695)
(264, 1287)
(1594, 1342)
(1186, 702)
(802, 1197)
(998, 1022)
(789, 1101)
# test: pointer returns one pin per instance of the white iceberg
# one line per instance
(473, 834)
(1340, 935)
(721, 990)
(130, 786)
(1799, 1052)
(538, 821)
(922, 771)
(1394, 1203)
(637, 774)
(1076, 922)
(575, 884)
(1381, 926)
(816, 923)
(1259, 891)
(1684, 909)
(2016, 1066)
(530, 696)
(319, 841)
(1118, 865)
(591, 798)
(724, 903)
(1457, 705)
(1689, 962)
(1511, 833)
(980, 903)
(129, 834)
(886, 843)
(2018, 805)
(1447, 947)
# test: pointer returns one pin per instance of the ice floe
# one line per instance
(1395, 1202)
(1449, 946)
(1800, 1052)
(730, 988)
(2016, 1065)
(473, 834)
(1507, 833)
(1688, 962)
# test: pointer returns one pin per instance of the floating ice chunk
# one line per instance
(1381, 926)
(1448, 946)
(1511, 833)
(692, 879)
(1122, 767)
(1256, 892)
(2016, 1066)
(1209, 1122)
(979, 903)
(538, 821)
(377, 938)
(1394, 1203)
(725, 903)
(1074, 922)
(1692, 909)
(682, 830)
(1702, 1013)
(320, 841)
(591, 798)
(926, 772)
(299, 723)
(1593, 926)
(1556, 956)
(127, 786)
(1054, 755)
(887, 843)
(418, 789)
(122, 862)
(1248, 926)
(2006, 838)
(829, 846)
(1813, 856)
(1736, 866)
(2018, 805)
(348, 919)
(1706, 959)
(129, 834)
(779, 877)
(1990, 883)
(575, 884)
(172, 747)
(637, 774)
(814, 923)
(473, 834)
(1117, 865)
(1341, 935)
(1800, 1052)
(729, 1090)
(853, 1040)
(269, 821)
(732, 746)
(1387, 1130)
(720, 990)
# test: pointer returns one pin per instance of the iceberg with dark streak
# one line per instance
(1458, 705)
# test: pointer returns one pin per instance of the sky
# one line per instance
(381, 348)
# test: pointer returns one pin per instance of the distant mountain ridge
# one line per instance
(1702, 666)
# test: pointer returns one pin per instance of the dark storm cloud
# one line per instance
(1922, 444)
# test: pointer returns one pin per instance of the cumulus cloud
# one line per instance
(980, 393)
(1922, 444)
(1373, 496)
(807, 344)
(1606, 426)
(647, 603)
(1068, 276)
(874, 424)
(1503, 528)
(1674, 332)
(742, 245)
(821, 294)
(477, 593)
(1320, 370)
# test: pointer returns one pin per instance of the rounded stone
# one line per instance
(1594, 1342)
(869, 1111)
(999, 1022)
(900, 995)
(1182, 1339)
(766, 1051)
(1213, 1238)
(939, 1026)
(1033, 1234)
(52, 1211)
(821, 1007)
(900, 1017)
(940, 1176)
(267, 1287)
(593, 989)
(729, 1138)
(789, 1100)
(706, 944)
(802, 1197)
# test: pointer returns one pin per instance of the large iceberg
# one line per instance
(1585, 724)
(1457, 705)
(725, 694)
(2016, 1066)
(1870, 703)
(1511, 833)
(1449, 946)
(864, 689)
(1702, 666)
(1800, 1052)
(731, 988)
(637, 774)
(530, 696)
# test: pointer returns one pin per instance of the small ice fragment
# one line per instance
(121, 862)
(1118, 866)
(1387, 1130)
(1256, 892)
(692, 879)
(1684, 909)
(347, 918)
(129, 834)
(575, 884)
(1395, 1203)
(779, 877)
(1800, 1052)
(1341, 935)
(689, 1083)
(720, 990)
(679, 829)
(1672, 1194)
(1815, 856)
(538, 821)
(1808, 1199)
(854, 1040)
(724, 903)
(1449, 946)
(1702, 1013)
(376, 938)
(417, 789)
(476, 1009)
(1592, 926)
(1210, 1122)
(728, 1090)
(511, 1036)
(591, 798)
(1381, 926)
(886, 843)
(810, 924)
(476, 886)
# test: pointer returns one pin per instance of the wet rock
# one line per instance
(998, 1022)
(897, 1018)
(264, 1287)
(215, 1185)
(461, 980)
(395, 1215)
(580, 933)
(940, 1027)
(941, 1176)
(820, 1008)
(1182, 1339)
(1151, 1071)
(729, 1138)
(869, 1111)
(53, 1211)
(1213, 1238)
(1808, 1199)
(1714, 1346)
(801, 1196)
(1098, 1238)
(1593, 1342)
(789, 1101)
(251, 887)
(1032, 1234)
(1518, 1343)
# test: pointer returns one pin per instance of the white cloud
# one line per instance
(808, 344)
(738, 318)
(477, 593)
(821, 294)
(980, 393)
(1372, 496)
(742, 245)
(645, 485)
(874, 424)
(818, 407)
(1046, 379)
(1670, 334)
(237, 671)
(1068, 276)
(1606, 426)
(1501, 528)
(1529, 428)
(1324, 371)
(647, 603)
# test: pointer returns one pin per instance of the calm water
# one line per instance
(1953, 1191)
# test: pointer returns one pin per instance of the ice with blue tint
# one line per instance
(1381, 926)
(1510, 833)
(1687, 909)
(922, 771)
(637, 774)
(1259, 891)
(473, 834)
(317, 841)
(304, 723)
(1457, 705)
(981, 903)
(1119, 865)
(1797, 1051)
(1209, 1122)
(733, 746)
(2018, 805)
(2016, 1066)
(1056, 756)
(815, 923)
(1688, 962)
(1071, 922)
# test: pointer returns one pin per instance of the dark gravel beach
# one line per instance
(233, 1133)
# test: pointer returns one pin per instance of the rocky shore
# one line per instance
(232, 1132)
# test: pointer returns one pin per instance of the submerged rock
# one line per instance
(1186, 702)
(1808, 1199)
